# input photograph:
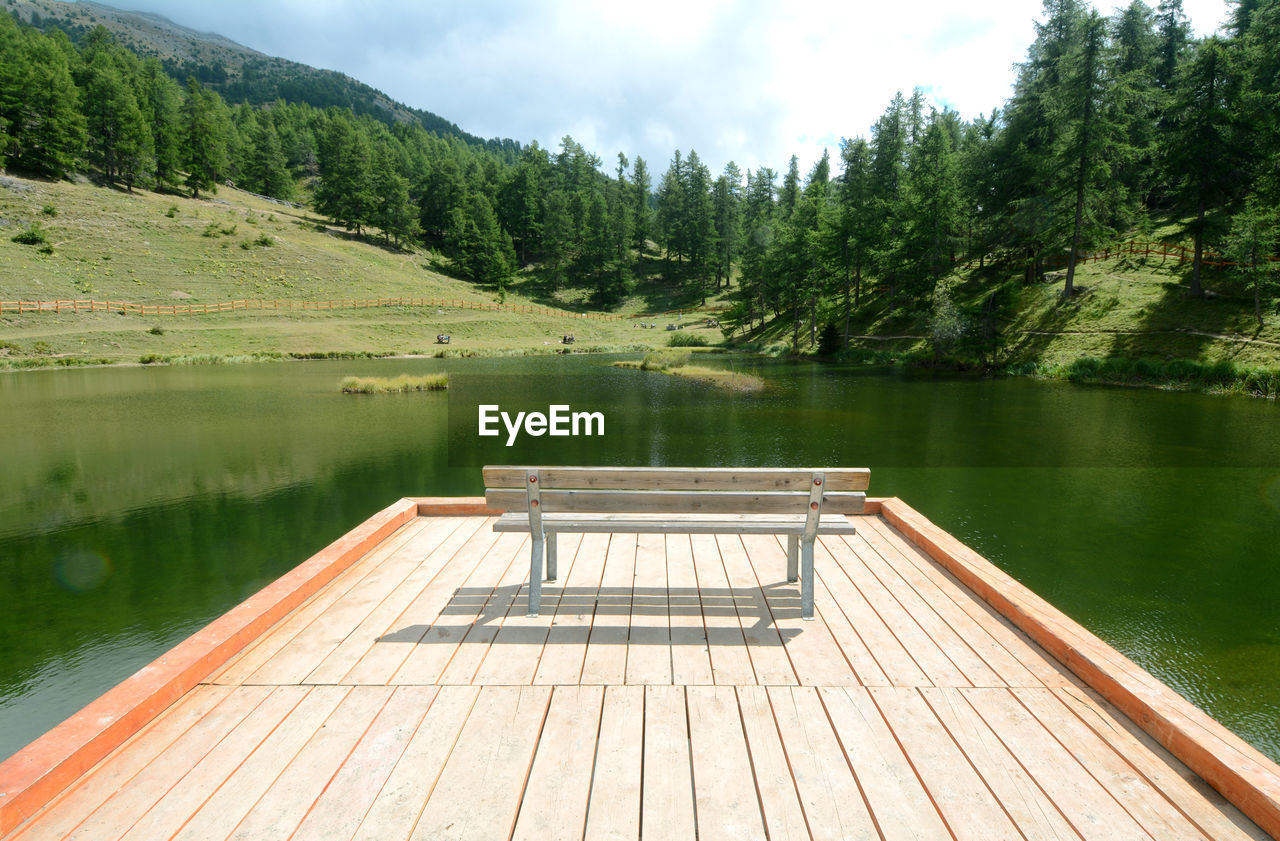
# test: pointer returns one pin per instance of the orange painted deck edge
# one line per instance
(1236, 769)
(37, 773)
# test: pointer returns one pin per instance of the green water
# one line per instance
(138, 504)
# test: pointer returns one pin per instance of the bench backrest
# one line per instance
(668, 490)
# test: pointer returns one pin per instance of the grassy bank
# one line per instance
(153, 249)
(1217, 378)
(676, 364)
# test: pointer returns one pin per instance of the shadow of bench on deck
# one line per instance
(490, 605)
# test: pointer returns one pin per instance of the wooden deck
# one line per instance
(668, 690)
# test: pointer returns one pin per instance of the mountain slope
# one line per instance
(238, 73)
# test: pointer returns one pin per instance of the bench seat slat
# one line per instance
(675, 502)
(516, 521)
(681, 478)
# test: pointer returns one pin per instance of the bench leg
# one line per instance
(551, 556)
(535, 575)
(793, 559)
(806, 580)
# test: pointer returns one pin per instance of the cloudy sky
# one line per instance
(752, 81)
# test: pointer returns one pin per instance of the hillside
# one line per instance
(147, 248)
(238, 73)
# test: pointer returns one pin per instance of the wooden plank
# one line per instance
(431, 656)
(404, 635)
(833, 804)
(613, 811)
(783, 815)
(574, 610)
(926, 653)
(272, 641)
(220, 814)
(1192, 796)
(667, 810)
(396, 808)
(284, 805)
(337, 814)
(475, 644)
(554, 805)
(606, 658)
(681, 478)
(944, 636)
(1249, 779)
(649, 638)
(1090, 809)
(479, 790)
(1147, 805)
(439, 550)
(895, 795)
(676, 523)
(300, 656)
(1026, 804)
(723, 782)
(201, 776)
(989, 632)
(114, 794)
(814, 654)
(690, 655)
(970, 810)
(769, 659)
(857, 627)
(682, 502)
(730, 662)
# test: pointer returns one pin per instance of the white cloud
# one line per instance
(749, 80)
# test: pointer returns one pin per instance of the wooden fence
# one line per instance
(368, 303)
(1162, 250)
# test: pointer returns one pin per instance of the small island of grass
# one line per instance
(677, 364)
(393, 385)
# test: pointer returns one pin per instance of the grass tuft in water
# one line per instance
(394, 385)
(676, 363)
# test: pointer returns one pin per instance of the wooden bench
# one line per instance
(798, 502)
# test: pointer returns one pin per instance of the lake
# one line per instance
(138, 504)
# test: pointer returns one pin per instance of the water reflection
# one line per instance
(139, 504)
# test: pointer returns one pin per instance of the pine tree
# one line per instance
(1174, 35)
(205, 129)
(392, 210)
(119, 138)
(727, 207)
(1139, 102)
(39, 101)
(671, 223)
(789, 195)
(477, 244)
(266, 171)
(160, 104)
(857, 225)
(345, 192)
(1202, 149)
(1029, 192)
(699, 229)
(557, 236)
(931, 206)
(521, 198)
(888, 155)
(640, 213)
(757, 236)
(1089, 139)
